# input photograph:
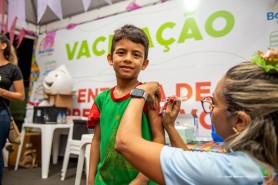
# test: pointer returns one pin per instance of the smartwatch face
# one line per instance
(138, 92)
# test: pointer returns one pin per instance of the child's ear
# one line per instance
(242, 121)
(145, 64)
(110, 59)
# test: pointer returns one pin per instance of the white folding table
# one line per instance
(49, 138)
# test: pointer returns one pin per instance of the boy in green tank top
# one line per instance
(129, 55)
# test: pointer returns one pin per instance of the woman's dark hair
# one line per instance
(9, 52)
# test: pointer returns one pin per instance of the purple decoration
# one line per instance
(71, 26)
(86, 4)
(54, 5)
(133, 6)
(49, 40)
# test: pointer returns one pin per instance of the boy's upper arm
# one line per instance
(157, 128)
(97, 131)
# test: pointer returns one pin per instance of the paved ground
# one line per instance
(33, 176)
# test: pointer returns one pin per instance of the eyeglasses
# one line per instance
(207, 104)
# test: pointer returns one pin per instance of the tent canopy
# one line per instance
(69, 9)
(73, 12)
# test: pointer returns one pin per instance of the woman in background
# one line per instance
(10, 76)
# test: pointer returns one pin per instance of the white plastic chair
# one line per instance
(84, 154)
(73, 146)
(5, 154)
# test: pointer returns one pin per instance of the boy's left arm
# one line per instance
(156, 124)
(158, 134)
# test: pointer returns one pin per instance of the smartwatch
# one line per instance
(138, 93)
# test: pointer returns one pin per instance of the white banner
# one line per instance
(189, 50)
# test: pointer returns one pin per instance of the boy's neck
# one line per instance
(124, 87)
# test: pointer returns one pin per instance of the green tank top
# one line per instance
(112, 168)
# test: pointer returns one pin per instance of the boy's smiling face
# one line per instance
(128, 59)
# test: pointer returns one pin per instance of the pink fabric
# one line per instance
(2, 11)
(12, 30)
(5, 26)
(20, 37)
